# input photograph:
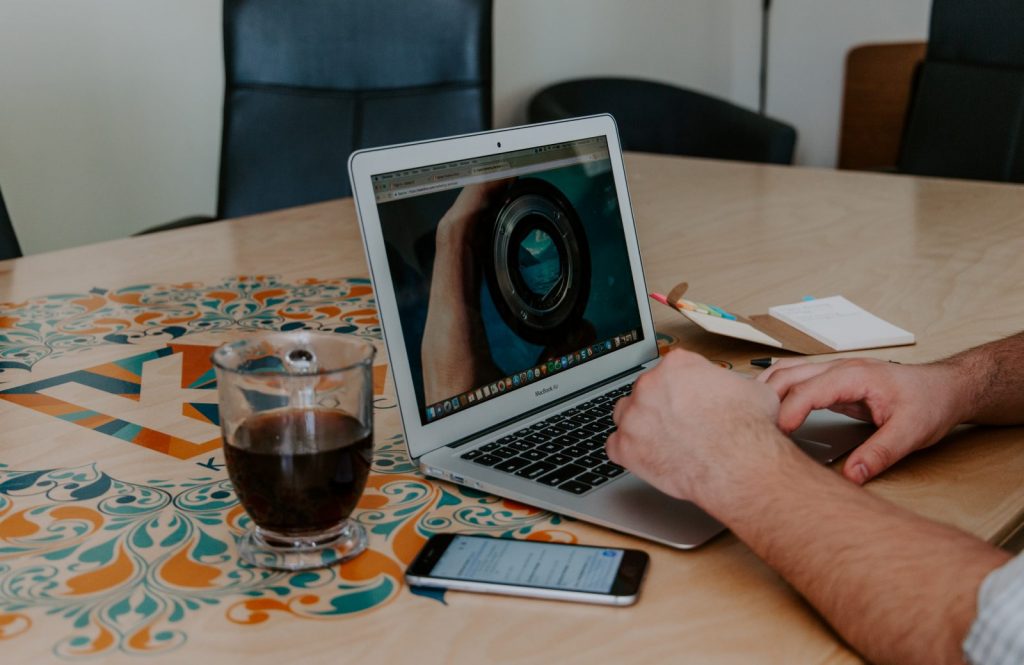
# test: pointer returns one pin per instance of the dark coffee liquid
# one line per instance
(299, 470)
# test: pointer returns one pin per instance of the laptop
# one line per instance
(511, 293)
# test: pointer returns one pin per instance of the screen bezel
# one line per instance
(628, 575)
(422, 438)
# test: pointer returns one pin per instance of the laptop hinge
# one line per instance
(532, 412)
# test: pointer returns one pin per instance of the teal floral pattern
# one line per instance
(121, 565)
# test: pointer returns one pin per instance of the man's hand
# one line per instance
(913, 406)
(693, 429)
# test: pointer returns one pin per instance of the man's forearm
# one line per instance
(897, 587)
(993, 380)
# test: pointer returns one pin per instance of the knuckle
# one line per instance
(881, 456)
(789, 419)
(856, 373)
(863, 374)
(859, 366)
(799, 392)
(778, 375)
(615, 448)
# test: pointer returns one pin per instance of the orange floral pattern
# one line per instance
(55, 325)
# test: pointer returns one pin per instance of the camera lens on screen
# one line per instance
(539, 263)
(539, 267)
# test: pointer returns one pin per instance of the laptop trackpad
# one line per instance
(827, 436)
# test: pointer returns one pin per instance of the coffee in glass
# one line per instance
(297, 419)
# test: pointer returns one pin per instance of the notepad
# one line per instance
(840, 324)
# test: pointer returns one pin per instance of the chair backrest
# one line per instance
(662, 118)
(9, 247)
(967, 115)
(876, 98)
(310, 81)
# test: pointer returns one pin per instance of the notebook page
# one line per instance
(839, 323)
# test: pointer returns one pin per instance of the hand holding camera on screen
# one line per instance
(524, 240)
(454, 331)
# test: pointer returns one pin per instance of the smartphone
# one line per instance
(554, 571)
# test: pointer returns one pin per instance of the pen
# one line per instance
(660, 298)
(681, 304)
(765, 363)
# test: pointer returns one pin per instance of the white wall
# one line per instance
(809, 42)
(110, 109)
(709, 45)
(109, 115)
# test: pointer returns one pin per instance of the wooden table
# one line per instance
(117, 525)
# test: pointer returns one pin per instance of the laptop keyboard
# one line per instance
(565, 451)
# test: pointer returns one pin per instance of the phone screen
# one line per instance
(527, 563)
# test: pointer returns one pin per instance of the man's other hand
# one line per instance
(913, 406)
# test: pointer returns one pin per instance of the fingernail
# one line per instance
(860, 473)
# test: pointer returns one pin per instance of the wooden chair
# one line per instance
(876, 95)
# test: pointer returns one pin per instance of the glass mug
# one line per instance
(296, 414)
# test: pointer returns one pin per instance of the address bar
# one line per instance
(486, 173)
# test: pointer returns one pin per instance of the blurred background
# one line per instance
(111, 110)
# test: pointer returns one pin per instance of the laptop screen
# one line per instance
(507, 269)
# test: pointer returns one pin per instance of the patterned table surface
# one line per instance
(96, 560)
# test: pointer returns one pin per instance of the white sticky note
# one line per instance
(840, 324)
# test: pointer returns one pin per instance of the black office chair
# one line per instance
(967, 110)
(9, 247)
(310, 81)
(655, 117)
